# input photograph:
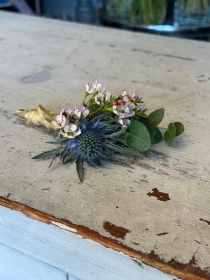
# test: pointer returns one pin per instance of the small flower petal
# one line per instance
(126, 98)
(85, 112)
(66, 112)
(87, 87)
(141, 106)
(124, 122)
(131, 106)
(73, 127)
(99, 87)
(135, 96)
(124, 93)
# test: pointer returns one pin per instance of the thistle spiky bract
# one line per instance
(106, 127)
(96, 143)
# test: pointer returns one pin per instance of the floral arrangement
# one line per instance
(103, 128)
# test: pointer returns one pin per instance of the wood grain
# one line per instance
(48, 62)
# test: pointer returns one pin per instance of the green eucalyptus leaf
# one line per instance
(179, 128)
(156, 117)
(138, 136)
(146, 122)
(170, 133)
(157, 138)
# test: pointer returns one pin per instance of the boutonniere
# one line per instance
(103, 128)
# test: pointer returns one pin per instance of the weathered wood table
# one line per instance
(157, 212)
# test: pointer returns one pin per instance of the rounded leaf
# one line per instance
(157, 137)
(146, 122)
(170, 133)
(156, 117)
(179, 128)
(138, 136)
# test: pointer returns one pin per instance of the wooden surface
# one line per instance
(75, 257)
(158, 211)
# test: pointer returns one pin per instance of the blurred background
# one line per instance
(181, 18)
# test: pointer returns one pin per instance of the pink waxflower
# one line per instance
(135, 96)
(125, 96)
(102, 97)
(103, 90)
(131, 106)
(70, 131)
(99, 87)
(60, 122)
(140, 106)
(124, 122)
(66, 113)
(80, 109)
(118, 110)
(95, 87)
(90, 88)
(124, 111)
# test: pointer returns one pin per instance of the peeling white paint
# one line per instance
(65, 227)
(68, 252)
(25, 267)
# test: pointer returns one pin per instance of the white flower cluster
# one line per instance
(67, 121)
(126, 106)
(101, 94)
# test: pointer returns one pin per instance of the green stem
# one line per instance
(161, 127)
(85, 96)
(101, 109)
(92, 96)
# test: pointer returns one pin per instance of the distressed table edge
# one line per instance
(184, 271)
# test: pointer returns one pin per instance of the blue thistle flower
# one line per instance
(99, 141)
(96, 143)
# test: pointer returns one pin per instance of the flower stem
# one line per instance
(85, 96)
(161, 127)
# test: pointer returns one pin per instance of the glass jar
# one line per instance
(192, 12)
(137, 11)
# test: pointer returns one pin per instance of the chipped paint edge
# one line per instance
(70, 253)
(64, 227)
(181, 271)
